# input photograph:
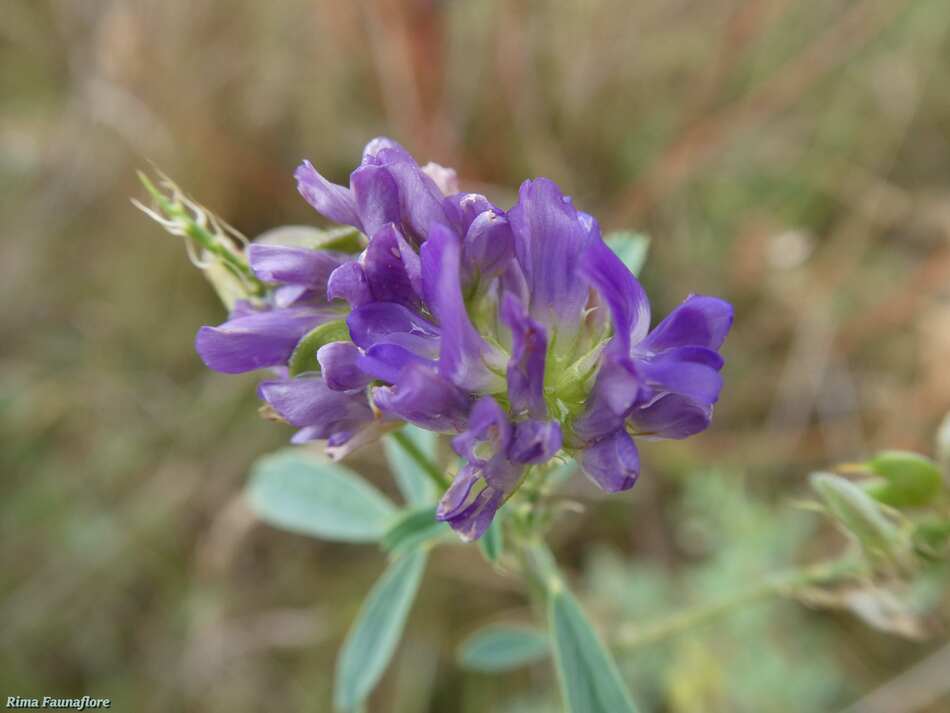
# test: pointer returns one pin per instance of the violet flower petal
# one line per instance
(487, 421)
(293, 265)
(377, 197)
(309, 402)
(420, 395)
(464, 353)
(332, 201)
(391, 323)
(387, 274)
(386, 361)
(625, 297)
(339, 366)
(535, 442)
(257, 340)
(671, 416)
(348, 282)
(613, 462)
(700, 321)
(526, 366)
(549, 242)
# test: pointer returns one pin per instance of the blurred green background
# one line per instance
(793, 157)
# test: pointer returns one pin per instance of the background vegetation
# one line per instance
(791, 157)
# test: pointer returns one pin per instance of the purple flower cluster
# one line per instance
(519, 331)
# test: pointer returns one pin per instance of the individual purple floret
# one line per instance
(521, 333)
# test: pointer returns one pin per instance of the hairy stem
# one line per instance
(431, 470)
(631, 636)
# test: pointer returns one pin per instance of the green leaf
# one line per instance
(415, 487)
(300, 493)
(304, 356)
(341, 239)
(859, 513)
(492, 542)
(631, 247)
(371, 640)
(502, 648)
(590, 681)
(414, 528)
(908, 479)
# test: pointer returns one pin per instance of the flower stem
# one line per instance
(631, 636)
(431, 470)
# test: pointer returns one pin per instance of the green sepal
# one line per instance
(342, 239)
(304, 356)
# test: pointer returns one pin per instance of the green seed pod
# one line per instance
(906, 479)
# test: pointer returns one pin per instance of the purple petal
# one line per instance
(699, 321)
(456, 497)
(488, 246)
(612, 462)
(465, 207)
(386, 361)
(297, 266)
(348, 282)
(690, 371)
(526, 366)
(617, 388)
(338, 365)
(391, 323)
(257, 340)
(549, 242)
(671, 416)
(309, 402)
(420, 395)
(377, 197)
(471, 521)
(445, 179)
(625, 297)
(390, 278)
(464, 353)
(331, 200)
(242, 308)
(285, 296)
(420, 198)
(486, 422)
(385, 146)
(535, 442)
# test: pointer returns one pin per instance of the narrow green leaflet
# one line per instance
(371, 640)
(590, 682)
(491, 543)
(630, 247)
(298, 492)
(304, 356)
(503, 648)
(415, 487)
(412, 529)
